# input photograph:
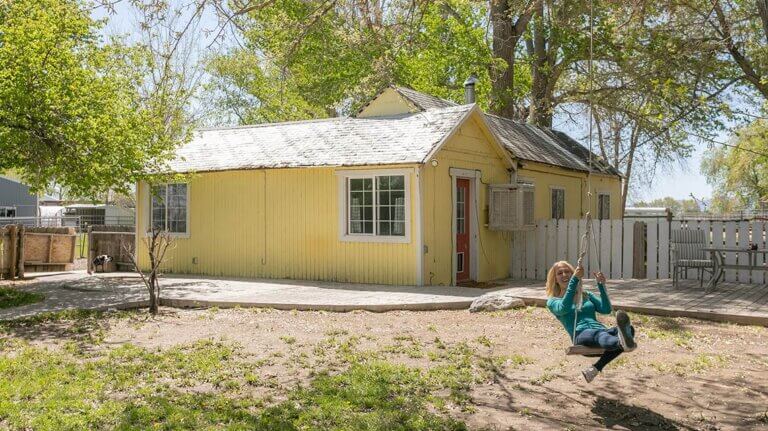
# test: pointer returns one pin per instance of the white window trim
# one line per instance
(344, 176)
(550, 201)
(148, 203)
(6, 208)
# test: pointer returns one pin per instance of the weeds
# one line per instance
(11, 297)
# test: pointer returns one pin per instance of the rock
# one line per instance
(494, 302)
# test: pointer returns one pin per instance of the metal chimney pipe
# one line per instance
(469, 89)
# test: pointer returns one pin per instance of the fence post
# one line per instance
(13, 250)
(21, 251)
(638, 250)
(91, 246)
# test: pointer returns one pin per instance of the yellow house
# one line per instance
(414, 190)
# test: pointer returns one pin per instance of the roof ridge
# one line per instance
(331, 119)
(252, 126)
(418, 105)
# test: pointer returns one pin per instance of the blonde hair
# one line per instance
(553, 288)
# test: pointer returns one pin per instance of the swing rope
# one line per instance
(585, 239)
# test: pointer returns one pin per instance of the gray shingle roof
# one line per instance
(540, 144)
(331, 142)
(525, 141)
(423, 100)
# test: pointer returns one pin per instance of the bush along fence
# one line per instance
(34, 249)
(631, 248)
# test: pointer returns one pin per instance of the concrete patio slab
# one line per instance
(77, 289)
(731, 302)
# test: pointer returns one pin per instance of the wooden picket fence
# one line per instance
(629, 248)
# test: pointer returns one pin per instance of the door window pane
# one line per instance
(460, 216)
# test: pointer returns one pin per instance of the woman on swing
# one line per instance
(562, 285)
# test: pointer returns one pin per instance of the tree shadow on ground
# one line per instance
(614, 412)
(84, 327)
(668, 324)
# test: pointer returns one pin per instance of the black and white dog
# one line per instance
(101, 260)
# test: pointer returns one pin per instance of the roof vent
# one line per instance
(469, 89)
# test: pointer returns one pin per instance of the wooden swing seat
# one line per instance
(578, 349)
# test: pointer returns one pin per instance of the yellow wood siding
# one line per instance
(277, 223)
(389, 102)
(546, 177)
(468, 149)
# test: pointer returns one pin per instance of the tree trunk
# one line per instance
(503, 48)
(506, 36)
(628, 172)
(153, 299)
(540, 112)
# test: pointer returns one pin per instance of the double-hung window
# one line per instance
(169, 207)
(603, 206)
(7, 211)
(558, 203)
(376, 207)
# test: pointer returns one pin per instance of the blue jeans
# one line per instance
(608, 339)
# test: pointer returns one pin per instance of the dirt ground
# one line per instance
(686, 374)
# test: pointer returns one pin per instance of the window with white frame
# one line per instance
(169, 207)
(558, 203)
(528, 209)
(376, 205)
(603, 206)
(7, 211)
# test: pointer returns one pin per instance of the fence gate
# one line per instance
(114, 241)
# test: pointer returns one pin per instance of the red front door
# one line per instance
(462, 229)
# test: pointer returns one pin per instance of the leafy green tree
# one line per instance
(314, 59)
(656, 76)
(741, 169)
(70, 106)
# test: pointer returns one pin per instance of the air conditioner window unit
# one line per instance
(510, 206)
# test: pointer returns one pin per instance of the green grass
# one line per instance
(665, 328)
(81, 245)
(86, 326)
(203, 385)
(344, 384)
(697, 365)
(10, 297)
(374, 396)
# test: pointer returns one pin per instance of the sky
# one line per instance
(678, 181)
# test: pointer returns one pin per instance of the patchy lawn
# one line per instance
(10, 297)
(445, 370)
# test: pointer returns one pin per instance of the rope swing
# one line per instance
(578, 299)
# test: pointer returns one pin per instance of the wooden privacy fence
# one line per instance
(630, 248)
(111, 240)
(611, 249)
(31, 249)
(730, 233)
